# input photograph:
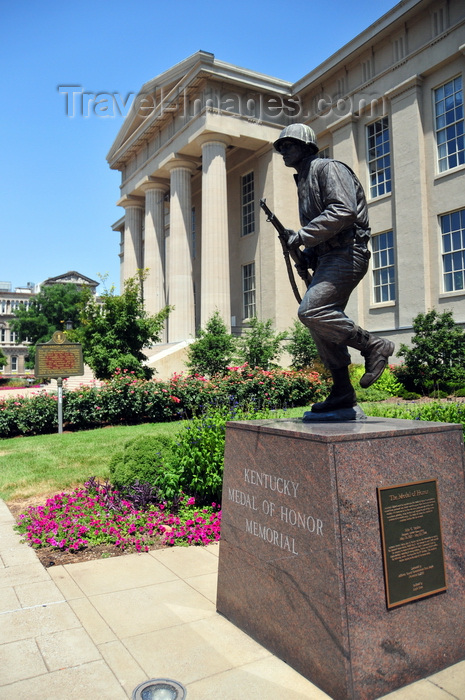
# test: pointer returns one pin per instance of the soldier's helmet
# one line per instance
(298, 132)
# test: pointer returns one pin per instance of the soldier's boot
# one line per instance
(376, 352)
(342, 394)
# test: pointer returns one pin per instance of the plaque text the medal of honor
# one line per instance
(412, 541)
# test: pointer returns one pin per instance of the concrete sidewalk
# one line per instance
(96, 630)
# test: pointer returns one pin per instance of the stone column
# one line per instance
(154, 254)
(180, 286)
(215, 289)
(132, 260)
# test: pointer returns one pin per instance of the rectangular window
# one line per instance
(248, 204)
(449, 124)
(324, 152)
(453, 251)
(12, 337)
(248, 290)
(14, 363)
(379, 157)
(2, 335)
(384, 288)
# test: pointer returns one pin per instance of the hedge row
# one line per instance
(440, 412)
(128, 400)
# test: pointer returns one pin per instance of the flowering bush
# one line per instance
(97, 515)
(126, 399)
(28, 416)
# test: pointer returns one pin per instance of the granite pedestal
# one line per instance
(301, 564)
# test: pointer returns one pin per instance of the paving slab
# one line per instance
(151, 608)
(67, 648)
(119, 573)
(187, 561)
(20, 660)
(127, 670)
(41, 593)
(266, 679)
(90, 681)
(98, 629)
(194, 651)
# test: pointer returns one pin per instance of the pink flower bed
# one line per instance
(81, 519)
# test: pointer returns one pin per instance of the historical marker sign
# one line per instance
(412, 541)
(58, 358)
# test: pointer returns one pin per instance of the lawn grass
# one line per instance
(43, 465)
(46, 464)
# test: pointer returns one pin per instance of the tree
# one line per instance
(260, 346)
(48, 311)
(115, 328)
(3, 359)
(301, 347)
(212, 351)
(436, 359)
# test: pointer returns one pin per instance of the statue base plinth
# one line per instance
(301, 561)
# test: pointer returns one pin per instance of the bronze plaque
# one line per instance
(412, 541)
(58, 358)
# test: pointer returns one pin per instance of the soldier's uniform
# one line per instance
(335, 232)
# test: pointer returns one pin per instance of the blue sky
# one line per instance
(58, 194)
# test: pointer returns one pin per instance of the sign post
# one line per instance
(57, 359)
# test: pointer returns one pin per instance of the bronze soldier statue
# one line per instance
(334, 234)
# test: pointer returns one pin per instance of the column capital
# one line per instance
(222, 139)
(153, 183)
(183, 163)
(130, 201)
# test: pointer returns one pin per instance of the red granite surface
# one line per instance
(301, 567)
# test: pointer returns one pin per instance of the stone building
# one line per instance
(10, 301)
(195, 155)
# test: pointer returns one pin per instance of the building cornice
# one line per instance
(359, 43)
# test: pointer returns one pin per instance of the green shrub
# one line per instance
(410, 395)
(460, 392)
(260, 345)
(81, 408)
(145, 460)
(211, 353)
(34, 415)
(387, 385)
(198, 456)
(371, 394)
(301, 347)
(436, 412)
(438, 394)
(436, 359)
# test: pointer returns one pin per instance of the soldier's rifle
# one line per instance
(294, 254)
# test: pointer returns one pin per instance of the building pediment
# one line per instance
(71, 277)
(164, 96)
